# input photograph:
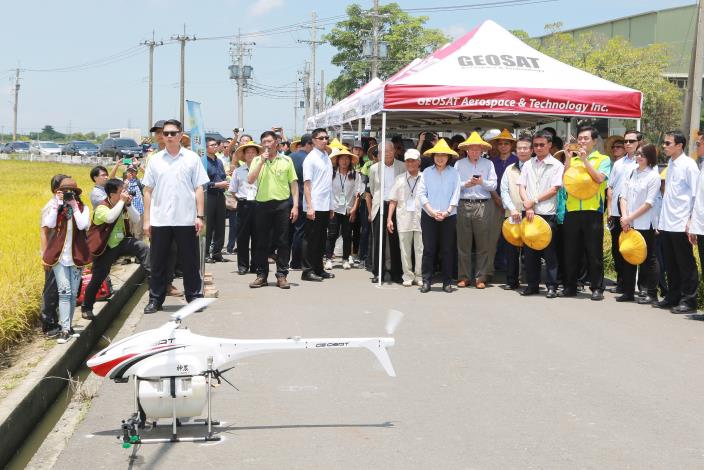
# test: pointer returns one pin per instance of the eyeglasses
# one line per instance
(630, 141)
(171, 133)
(667, 143)
(616, 147)
(539, 145)
(322, 138)
(212, 145)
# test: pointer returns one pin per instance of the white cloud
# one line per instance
(455, 31)
(261, 7)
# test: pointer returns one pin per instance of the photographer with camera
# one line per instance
(66, 249)
(109, 238)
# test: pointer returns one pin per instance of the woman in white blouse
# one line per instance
(636, 203)
(346, 188)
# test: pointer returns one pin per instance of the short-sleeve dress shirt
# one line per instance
(275, 178)
(638, 188)
(405, 189)
(317, 168)
(483, 167)
(680, 188)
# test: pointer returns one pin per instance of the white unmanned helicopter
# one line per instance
(172, 369)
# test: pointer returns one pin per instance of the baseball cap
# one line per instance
(411, 154)
(157, 125)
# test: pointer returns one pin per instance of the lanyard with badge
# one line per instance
(342, 197)
(411, 201)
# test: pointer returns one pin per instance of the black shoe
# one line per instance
(597, 295)
(647, 300)
(375, 279)
(664, 304)
(209, 260)
(683, 308)
(616, 290)
(447, 288)
(529, 291)
(220, 259)
(567, 293)
(242, 271)
(152, 307)
(510, 286)
(311, 277)
(552, 293)
(399, 280)
(625, 298)
(425, 288)
(325, 275)
(87, 314)
(53, 332)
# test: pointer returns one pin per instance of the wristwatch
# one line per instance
(200, 217)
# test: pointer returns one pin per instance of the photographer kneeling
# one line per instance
(109, 238)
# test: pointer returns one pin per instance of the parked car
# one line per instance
(80, 147)
(44, 148)
(120, 148)
(16, 147)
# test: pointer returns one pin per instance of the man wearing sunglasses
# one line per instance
(620, 172)
(677, 204)
(173, 211)
(276, 185)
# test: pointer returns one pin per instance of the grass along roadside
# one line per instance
(25, 190)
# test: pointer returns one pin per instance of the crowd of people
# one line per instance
(438, 210)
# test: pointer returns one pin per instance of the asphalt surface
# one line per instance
(486, 380)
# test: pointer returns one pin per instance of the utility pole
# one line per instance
(240, 73)
(311, 93)
(306, 90)
(693, 103)
(375, 40)
(150, 102)
(322, 90)
(14, 105)
(182, 95)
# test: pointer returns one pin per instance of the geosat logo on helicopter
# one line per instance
(330, 345)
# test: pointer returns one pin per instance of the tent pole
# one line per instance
(638, 125)
(382, 225)
(359, 131)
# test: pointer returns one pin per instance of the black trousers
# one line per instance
(50, 302)
(245, 232)
(394, 246)
(314, 235)
(682, 275)
(271, 221)
(340, 225)
(215, 224)
(648, 270)
(364, 227)
(103, 263)
(549, 254)
(231, 216)
(438, 238)
(297, 239)
(159, 253)
(700, 248)
(619, 262)
(513, 264)
(584, 232)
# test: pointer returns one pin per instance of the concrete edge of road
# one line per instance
(22, 409)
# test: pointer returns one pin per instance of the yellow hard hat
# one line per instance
(474, 139)
(579, 183)
(536, 234)
(512, 233)
(440, 147)
(632, 247)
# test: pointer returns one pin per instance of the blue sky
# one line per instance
(52, 34)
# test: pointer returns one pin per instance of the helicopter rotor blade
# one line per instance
(191, 308)
(393, 320)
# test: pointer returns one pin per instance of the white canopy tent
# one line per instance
(488, 78)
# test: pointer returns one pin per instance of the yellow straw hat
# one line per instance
(239, 153)
(512, 233)
(536, 234)
(336, 144)
(632, 247)
(474, 139)
(336, 152)
(611, 141)
(579, 183)
(440, 147)
(295, 144)
(505, 135)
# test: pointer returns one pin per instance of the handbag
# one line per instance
(230, 201)
(104, 292)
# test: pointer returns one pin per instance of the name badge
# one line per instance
(251, 193)
(410, 205)
(340, 200)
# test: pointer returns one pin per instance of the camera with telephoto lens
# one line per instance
(132, 193)
(69, 195)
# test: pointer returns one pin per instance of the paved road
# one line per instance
(486, 380)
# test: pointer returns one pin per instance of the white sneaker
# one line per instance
(346, 265)
(407, 283)
(351, 260)
(328, 265)
(64, 337)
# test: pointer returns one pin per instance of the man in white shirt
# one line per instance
(405, 204)
(392, 168)
(474, 215)
(317, 204)
(677, 204)
(696, 225)
(173, 210)
(620, 172)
